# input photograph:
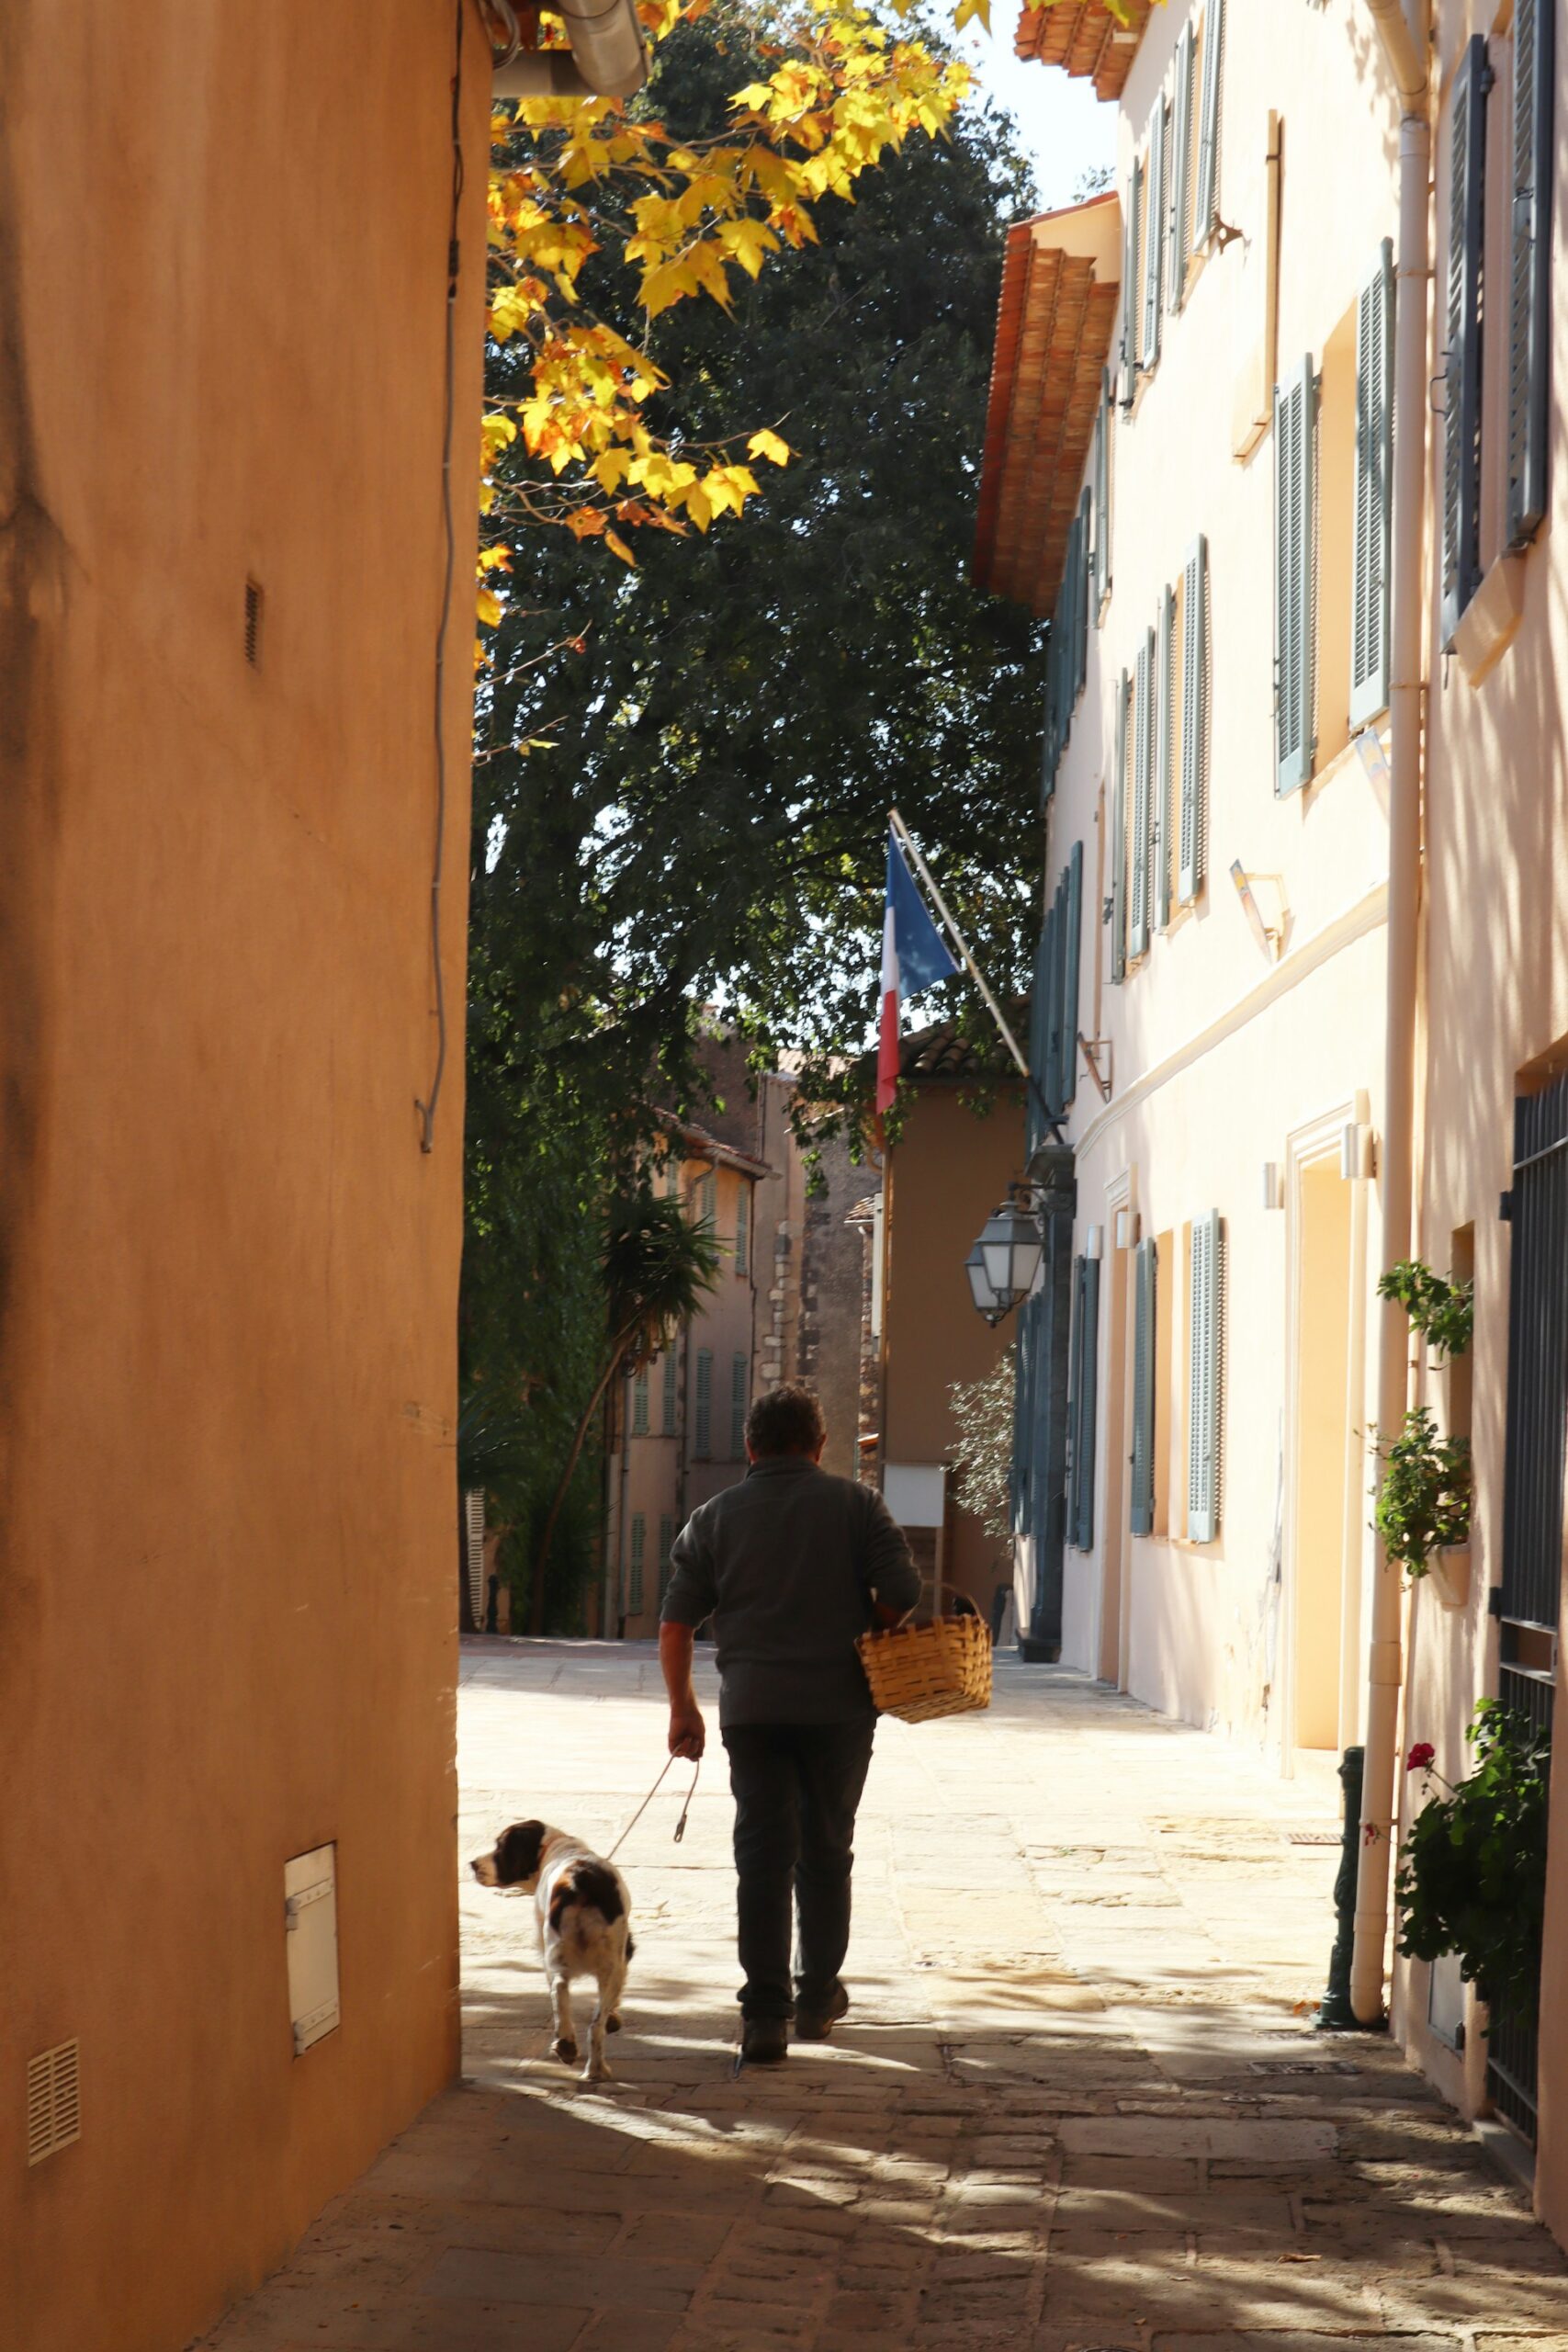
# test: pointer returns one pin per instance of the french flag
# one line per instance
(913, 957)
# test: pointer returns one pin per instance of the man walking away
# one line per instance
(791, 1566)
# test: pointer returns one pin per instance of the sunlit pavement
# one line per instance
(1078, 2103)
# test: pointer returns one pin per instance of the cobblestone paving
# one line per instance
(1077, 2106)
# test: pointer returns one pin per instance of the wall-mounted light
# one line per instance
(608, 57)
(1273, 1185)
(1358, 1153)
(1094, 1241)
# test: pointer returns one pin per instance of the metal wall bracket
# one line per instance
(1091, 1050)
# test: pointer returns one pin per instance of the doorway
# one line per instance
(1326, 1411)
(1110, 1660)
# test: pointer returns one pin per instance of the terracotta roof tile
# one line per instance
(1085, 37)
(1054, 330)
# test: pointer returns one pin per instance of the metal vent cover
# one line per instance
(54, 2101)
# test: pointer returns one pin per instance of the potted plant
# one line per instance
(1471, 1877)
(1423, 1505)
(1443, 1312)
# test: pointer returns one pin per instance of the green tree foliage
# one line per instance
(683, 769)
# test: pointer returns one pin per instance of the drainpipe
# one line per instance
(1404, 39)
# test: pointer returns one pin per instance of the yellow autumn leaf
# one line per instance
(618, 546)
(489, 606)
(768, 445)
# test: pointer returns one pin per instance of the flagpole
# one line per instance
(902, 830)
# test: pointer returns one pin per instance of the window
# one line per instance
(1054, 1006)
(1207, 209)
(672, 1370)
(1461, 363)
(666, 1544)
(1179, 236)
(1205, 1391)
(1101, 584)
(1142, 1482)
(1164, 722)
(640, 1547)
(1119, 832)
(743, 1227)
(1530, 268)
(740, 1397)
(1374, 492)
(1154, 242)
(1295, 439)
(706, 1199)
(1081, 1402)
(704, 1434)
(1143, 747)
(1131, 248)
(1194, 719)
(639, 1404)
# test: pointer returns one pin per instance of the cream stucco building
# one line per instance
(1272, 441)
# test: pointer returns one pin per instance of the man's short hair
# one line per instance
(786, 1421)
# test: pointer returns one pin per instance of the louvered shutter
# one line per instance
(1119, 834)
(743, 1226)
(704, 1432)
(740, 1397)
(639, 1554)
(1143, 1494)
(639, 1405)
(1178, 235)
(1374, 492)
(1208, 204)
(1295, 443)
(1138, 893)
(1462, 425)
(1164, 719)
(1130, 305)
(1154, 242)
(1051, 1035)
(671, 1371)
(1039, 1029)
(1072, 949)
(1084, 1421)
(1102, 498)
(1081, 566)
(1530, 268)
(1194, 718)
(1204, 1403)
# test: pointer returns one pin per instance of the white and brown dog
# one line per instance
(582, 1913)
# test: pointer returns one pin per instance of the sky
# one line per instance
(1063, 128)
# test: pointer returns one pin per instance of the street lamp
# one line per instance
(1010, 1251)
(980, 1285)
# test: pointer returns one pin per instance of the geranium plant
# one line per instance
(1471, 1878)
(1423, 1503)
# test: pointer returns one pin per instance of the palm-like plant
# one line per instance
(658, 1267)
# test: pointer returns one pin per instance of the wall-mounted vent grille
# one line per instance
(54, 2101)
(253, 623)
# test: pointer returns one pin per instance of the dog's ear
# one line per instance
(517, 1853)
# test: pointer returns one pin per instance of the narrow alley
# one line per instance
(1078, 2103)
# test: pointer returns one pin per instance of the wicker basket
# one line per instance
(921, 1671)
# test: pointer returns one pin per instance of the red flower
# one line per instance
(1369, 1833)
(1422, 1756)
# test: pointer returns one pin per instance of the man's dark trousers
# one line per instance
(796, 1787)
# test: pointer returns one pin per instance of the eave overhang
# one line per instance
(1061, 280)
(1085, 37)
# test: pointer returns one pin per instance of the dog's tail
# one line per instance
(590, 1885)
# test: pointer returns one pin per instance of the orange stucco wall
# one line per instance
(228, 1303)
(946, 1174)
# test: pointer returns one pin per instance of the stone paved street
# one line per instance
(1078, 2103)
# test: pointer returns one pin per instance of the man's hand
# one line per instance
(688, 1733)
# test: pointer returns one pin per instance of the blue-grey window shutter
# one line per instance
(1071, 952)
(1207, 210)
(1119, 833)
(1081, 1403)
(702, 1446)
(1102, 498)
(1050, 1039)
(1530, 271)
(1374, 492)
(1204, 1405)
(1138, 892)
(1295, 438)
(1164, 715)
(1154, 241)
(1194, 719)
(671, 1374)
(1132, 248)
(1179, 236)
(1084, 589)
(1461, 367)
(1039, 1031)
(1143, 1486)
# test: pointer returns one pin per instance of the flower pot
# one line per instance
(1447, 1573)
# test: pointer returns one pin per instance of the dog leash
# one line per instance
(685, 1809)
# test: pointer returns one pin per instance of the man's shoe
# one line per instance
(816, 2025)
(765, 2041)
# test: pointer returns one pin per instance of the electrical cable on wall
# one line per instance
(427, 1109)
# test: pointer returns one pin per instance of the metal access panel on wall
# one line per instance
(310, 1910)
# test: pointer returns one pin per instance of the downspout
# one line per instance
(1406, 45)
